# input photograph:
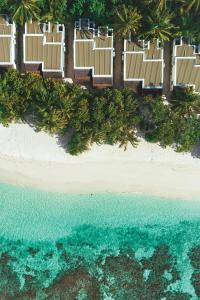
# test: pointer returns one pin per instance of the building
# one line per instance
(44, 47)
(143, 64)
(186, 64)
(93, 54)
(7, 44)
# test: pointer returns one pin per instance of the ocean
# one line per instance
(97, 246)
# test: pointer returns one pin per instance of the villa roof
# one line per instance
(186, 69)
(7, 42)
(44, 43)
(93, 49)
(143, 61)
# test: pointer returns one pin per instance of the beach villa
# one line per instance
(186, 64)
(7, 44)
(93, 54)
(44, 47)
(143, 64)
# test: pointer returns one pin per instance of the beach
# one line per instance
(37, 160)
(115, 212)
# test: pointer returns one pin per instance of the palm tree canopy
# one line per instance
(160, 25)
(24, 11)
(167, 4)
(128, 21)
(162, 4)
(185, 101)
(55, 11)
(189, 28)
(193, 5)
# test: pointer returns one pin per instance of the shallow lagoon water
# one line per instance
(104, 246)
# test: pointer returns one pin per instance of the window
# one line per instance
(46, 26)
(110, 33)
(177, 42)
(159, 45)
(60, 28)
(146, 45)
(196, 50)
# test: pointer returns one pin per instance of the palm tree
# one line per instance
(189, 28)
(193, 5)
(168, 4)
(185, 102)
(160, 25)
(128, 21)
(54, 8)
(24, 11)
(162, 4)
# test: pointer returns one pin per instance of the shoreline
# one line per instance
(71, 178)
(35, 160)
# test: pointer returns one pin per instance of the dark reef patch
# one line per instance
(94, 263)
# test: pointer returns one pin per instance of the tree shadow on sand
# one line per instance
(196, 151)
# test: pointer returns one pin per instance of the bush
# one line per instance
(107, 116)
(155, 120)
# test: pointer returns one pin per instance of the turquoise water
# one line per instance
(104, 246)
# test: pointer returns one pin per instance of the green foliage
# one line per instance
(188, 27)
(114, 117)
(15, 97)
(159, 25)
(128, 21)
(4, 5)
(78, 144)
(108, 117)
(53, 10)
(187, 132)
(56, 107)
(155, 120)
(52, 106)
(193, 5)
(82, 117)
(147, 18)
(24, 10)
(101, 11)
(185, 102)
(185, 107)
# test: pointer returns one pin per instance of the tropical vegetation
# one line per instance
(80, 118)
(160, 25)
(24, 10)
(146, 18)
(128, 21)
(193, 5)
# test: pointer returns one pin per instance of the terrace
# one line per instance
(143, 63)
(7, 43)
(186, 64)
(44, 48)
(93, 53)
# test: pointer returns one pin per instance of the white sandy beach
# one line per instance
(35, 159)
